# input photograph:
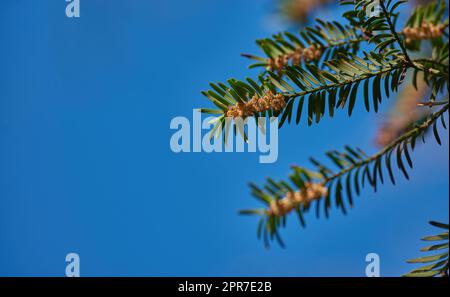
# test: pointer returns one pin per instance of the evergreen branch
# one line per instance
(394, 32)
(431, 67)
(418, 130)
(432, 62)
(279, 57)
(320, 67)
(286, 49)
(345, 82)
(317, 84)
(426, 22)
(274, 95)
(434, 265)
(356, 169)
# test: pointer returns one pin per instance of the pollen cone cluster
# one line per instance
(256, 105)
(285, 205)
(426, 31)
(296, 57)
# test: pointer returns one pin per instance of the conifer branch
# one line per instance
(434, 265)
(394, 32)
(323, 67)
(406, 137)
(356, 170)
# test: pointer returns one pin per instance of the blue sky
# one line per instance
(86, 166)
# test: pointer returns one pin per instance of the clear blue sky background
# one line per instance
(86, 167)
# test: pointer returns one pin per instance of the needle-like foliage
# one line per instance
(436, 264)
(330, 67)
